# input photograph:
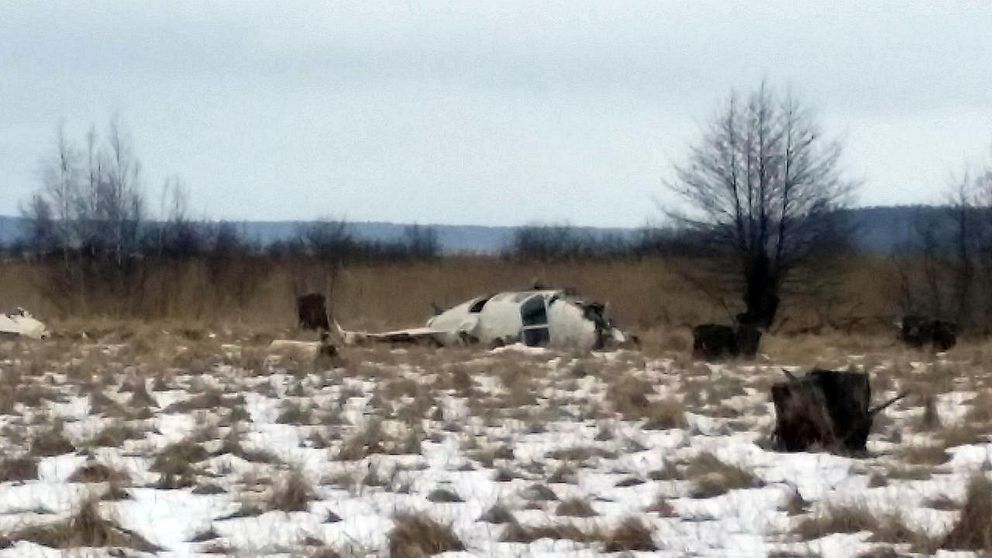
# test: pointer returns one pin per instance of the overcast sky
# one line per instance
(482, 113)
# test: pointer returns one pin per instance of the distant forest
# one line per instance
(879, 231)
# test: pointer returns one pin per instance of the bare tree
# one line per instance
(763, 186)
(89, 213)
(946, 269)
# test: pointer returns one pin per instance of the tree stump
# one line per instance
(714, 342)
(824, 410)
(312, 312)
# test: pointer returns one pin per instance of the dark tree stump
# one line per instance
(824, 410)
(715, 341)
(921, 331)
(312, 312)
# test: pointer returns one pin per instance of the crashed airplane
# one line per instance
(21, 323)
(536, 318)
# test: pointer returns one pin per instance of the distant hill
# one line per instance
(880, 229)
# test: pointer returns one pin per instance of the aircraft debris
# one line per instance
(21, 322)
(536, 318)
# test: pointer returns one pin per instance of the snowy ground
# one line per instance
(224, 449)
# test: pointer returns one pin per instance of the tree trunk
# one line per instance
(760, 294)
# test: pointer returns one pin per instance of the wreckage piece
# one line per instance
(23, 324)
(920, 331)
(716, 341)
(537, 318)
(824, 410)
(311, 350)
(311, 309)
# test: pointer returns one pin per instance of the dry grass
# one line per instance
(575, 507)
(885, 527)
(99, 472)
(87, 528)
(498, 514)
(18, 468)
(415, 535)
(515, 532)
(631, 534)
(366, 297)
(175, 464)
(973, 530)
(443, 495)
(51, 442)
(292, 493)
(712, 477)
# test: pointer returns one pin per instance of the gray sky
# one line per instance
(482, 113)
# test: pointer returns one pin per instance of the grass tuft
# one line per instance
(415, 534)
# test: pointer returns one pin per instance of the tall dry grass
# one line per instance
(642, 294)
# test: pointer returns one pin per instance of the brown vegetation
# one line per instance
(86, 528)
(415, 535)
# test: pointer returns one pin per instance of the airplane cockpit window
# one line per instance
(533, 312)
(534, 318)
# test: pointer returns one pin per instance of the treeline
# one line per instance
(103, 243)
(100, 249)
(946, 269)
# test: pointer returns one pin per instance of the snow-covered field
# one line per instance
(224, 449)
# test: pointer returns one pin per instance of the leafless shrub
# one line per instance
(418, 535)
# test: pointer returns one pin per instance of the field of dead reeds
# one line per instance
(644, 295)
(142, 439)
